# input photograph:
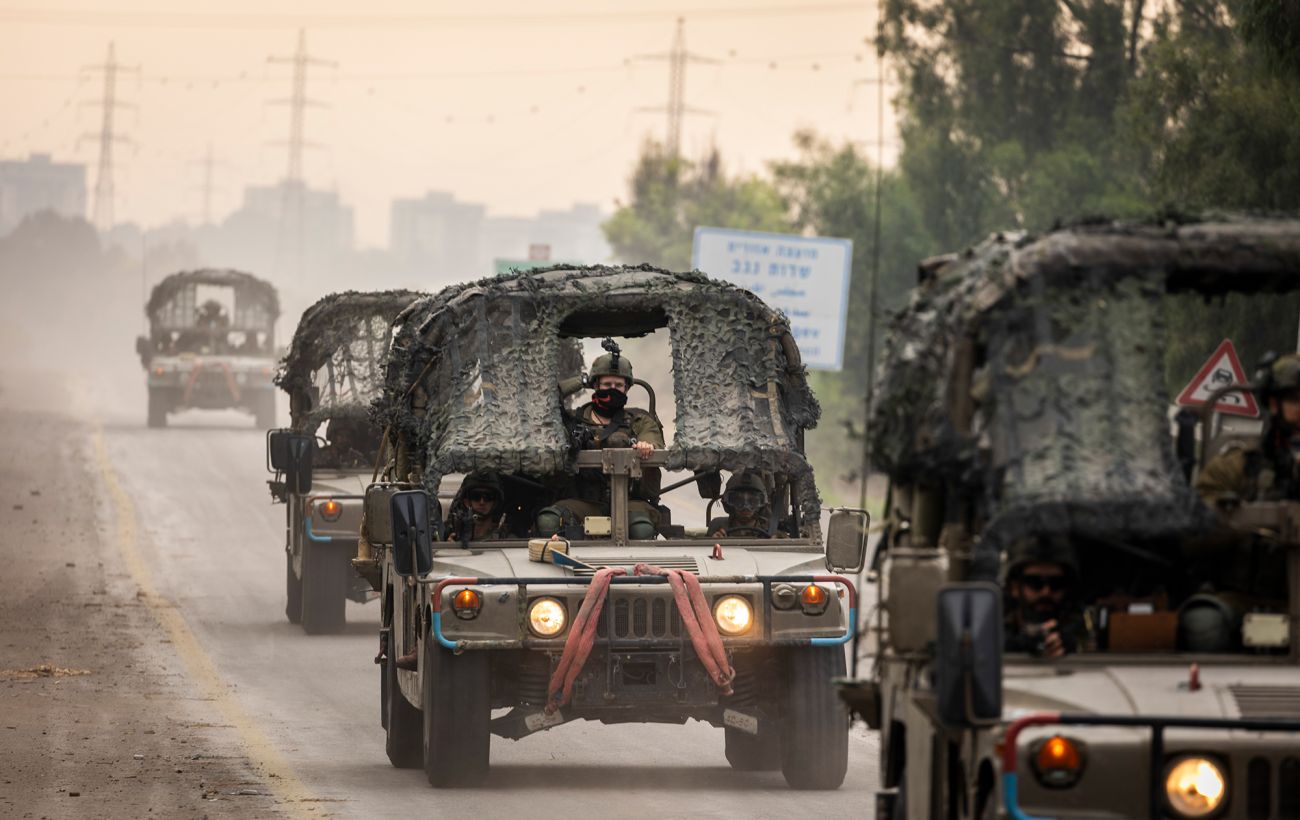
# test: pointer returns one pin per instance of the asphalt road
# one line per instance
(307, 708)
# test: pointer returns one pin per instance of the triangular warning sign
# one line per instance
(1220, 370)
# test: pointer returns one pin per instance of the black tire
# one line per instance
(457, 716)
(750, 753)
(158, 407)
(264, 410)
(324, 586)
(403, 726)
(292, 591)
(815, 732)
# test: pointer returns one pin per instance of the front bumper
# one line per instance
(770, 631)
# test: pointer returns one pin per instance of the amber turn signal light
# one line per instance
(466, 603)
(1058, 762)
(813, 599)
(330, 510)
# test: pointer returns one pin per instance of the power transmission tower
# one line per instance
(107, 137)
(292, 204)
(677, 108)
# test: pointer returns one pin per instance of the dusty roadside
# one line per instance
(97, 715)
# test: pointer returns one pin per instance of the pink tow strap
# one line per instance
(691, 604)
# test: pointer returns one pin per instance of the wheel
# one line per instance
(158, 406)
(324, 586)
(457, 711)
(750, 753)
(815, 732)
(264, 410)
(402, 724)
(292, 591)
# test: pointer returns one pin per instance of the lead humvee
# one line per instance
(1023, 395)
(332, 373)
(470, 627)
(211, 345)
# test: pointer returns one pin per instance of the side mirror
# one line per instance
(846, 540)
(291, 453)
(969, 655)
(412, 532)
(709, 484)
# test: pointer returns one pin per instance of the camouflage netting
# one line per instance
(488, 356)
(334, 367)
(1070, 431)
(171, 304)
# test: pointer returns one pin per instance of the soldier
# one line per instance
(606, 421)
(1267, 469)
(349, 442)
(745, 501)
(1042, 615)
(478, 509)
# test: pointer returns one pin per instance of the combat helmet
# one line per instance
(612, 363)
(746, 491)
(482, 480)
(1278, 375)
(1048, 549)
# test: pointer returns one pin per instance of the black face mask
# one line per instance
(609, 400)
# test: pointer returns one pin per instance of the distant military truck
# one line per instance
(332, 372)
(1141, 657)
(211, 345)
(472, 626)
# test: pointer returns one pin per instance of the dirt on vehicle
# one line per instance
(97, 715)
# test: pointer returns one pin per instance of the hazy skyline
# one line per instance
(519, 106)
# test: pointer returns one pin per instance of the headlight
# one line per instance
(330, 510)
(547, 617)
(1195, 787)
(733, 614)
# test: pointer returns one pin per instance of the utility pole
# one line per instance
(292, 205)
(208, 162)
(676, 108)
(107, 137)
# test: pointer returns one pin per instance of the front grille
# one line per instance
(1255, 701)
(640, 617)
(685, 562)
(1263, 801)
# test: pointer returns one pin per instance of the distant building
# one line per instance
(38, 184)
(446, 240)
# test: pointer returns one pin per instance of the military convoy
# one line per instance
(744, 633)
(325, 459)
(1022, 400)
(211, 345)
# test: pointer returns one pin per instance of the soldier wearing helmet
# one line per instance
(478, 509)
(748, 510)
(1266, 470)
(1042, 612)
(607, 421)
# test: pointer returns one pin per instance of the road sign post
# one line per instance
(805, 277)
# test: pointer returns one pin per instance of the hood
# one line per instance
(1226, 691)
(326, 481)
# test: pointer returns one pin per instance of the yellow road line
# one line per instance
(202, 671)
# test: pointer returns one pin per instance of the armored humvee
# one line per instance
(332, 373)
(1022, 396)
(469, 627)
(211, 345)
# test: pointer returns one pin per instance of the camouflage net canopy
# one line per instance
(474, 371)
(174, 304)
(334, 367)
(1060, 423)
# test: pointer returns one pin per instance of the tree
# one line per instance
(670, 196)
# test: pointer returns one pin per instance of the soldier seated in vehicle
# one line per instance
(1268, 470)
(478, 509)
(606, 421)
(1042, 615)
(351, 444)
(748, 510)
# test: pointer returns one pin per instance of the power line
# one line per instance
(676, 107)
(107, 138)
(249, 21)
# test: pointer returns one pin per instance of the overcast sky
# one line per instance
(519, 105)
